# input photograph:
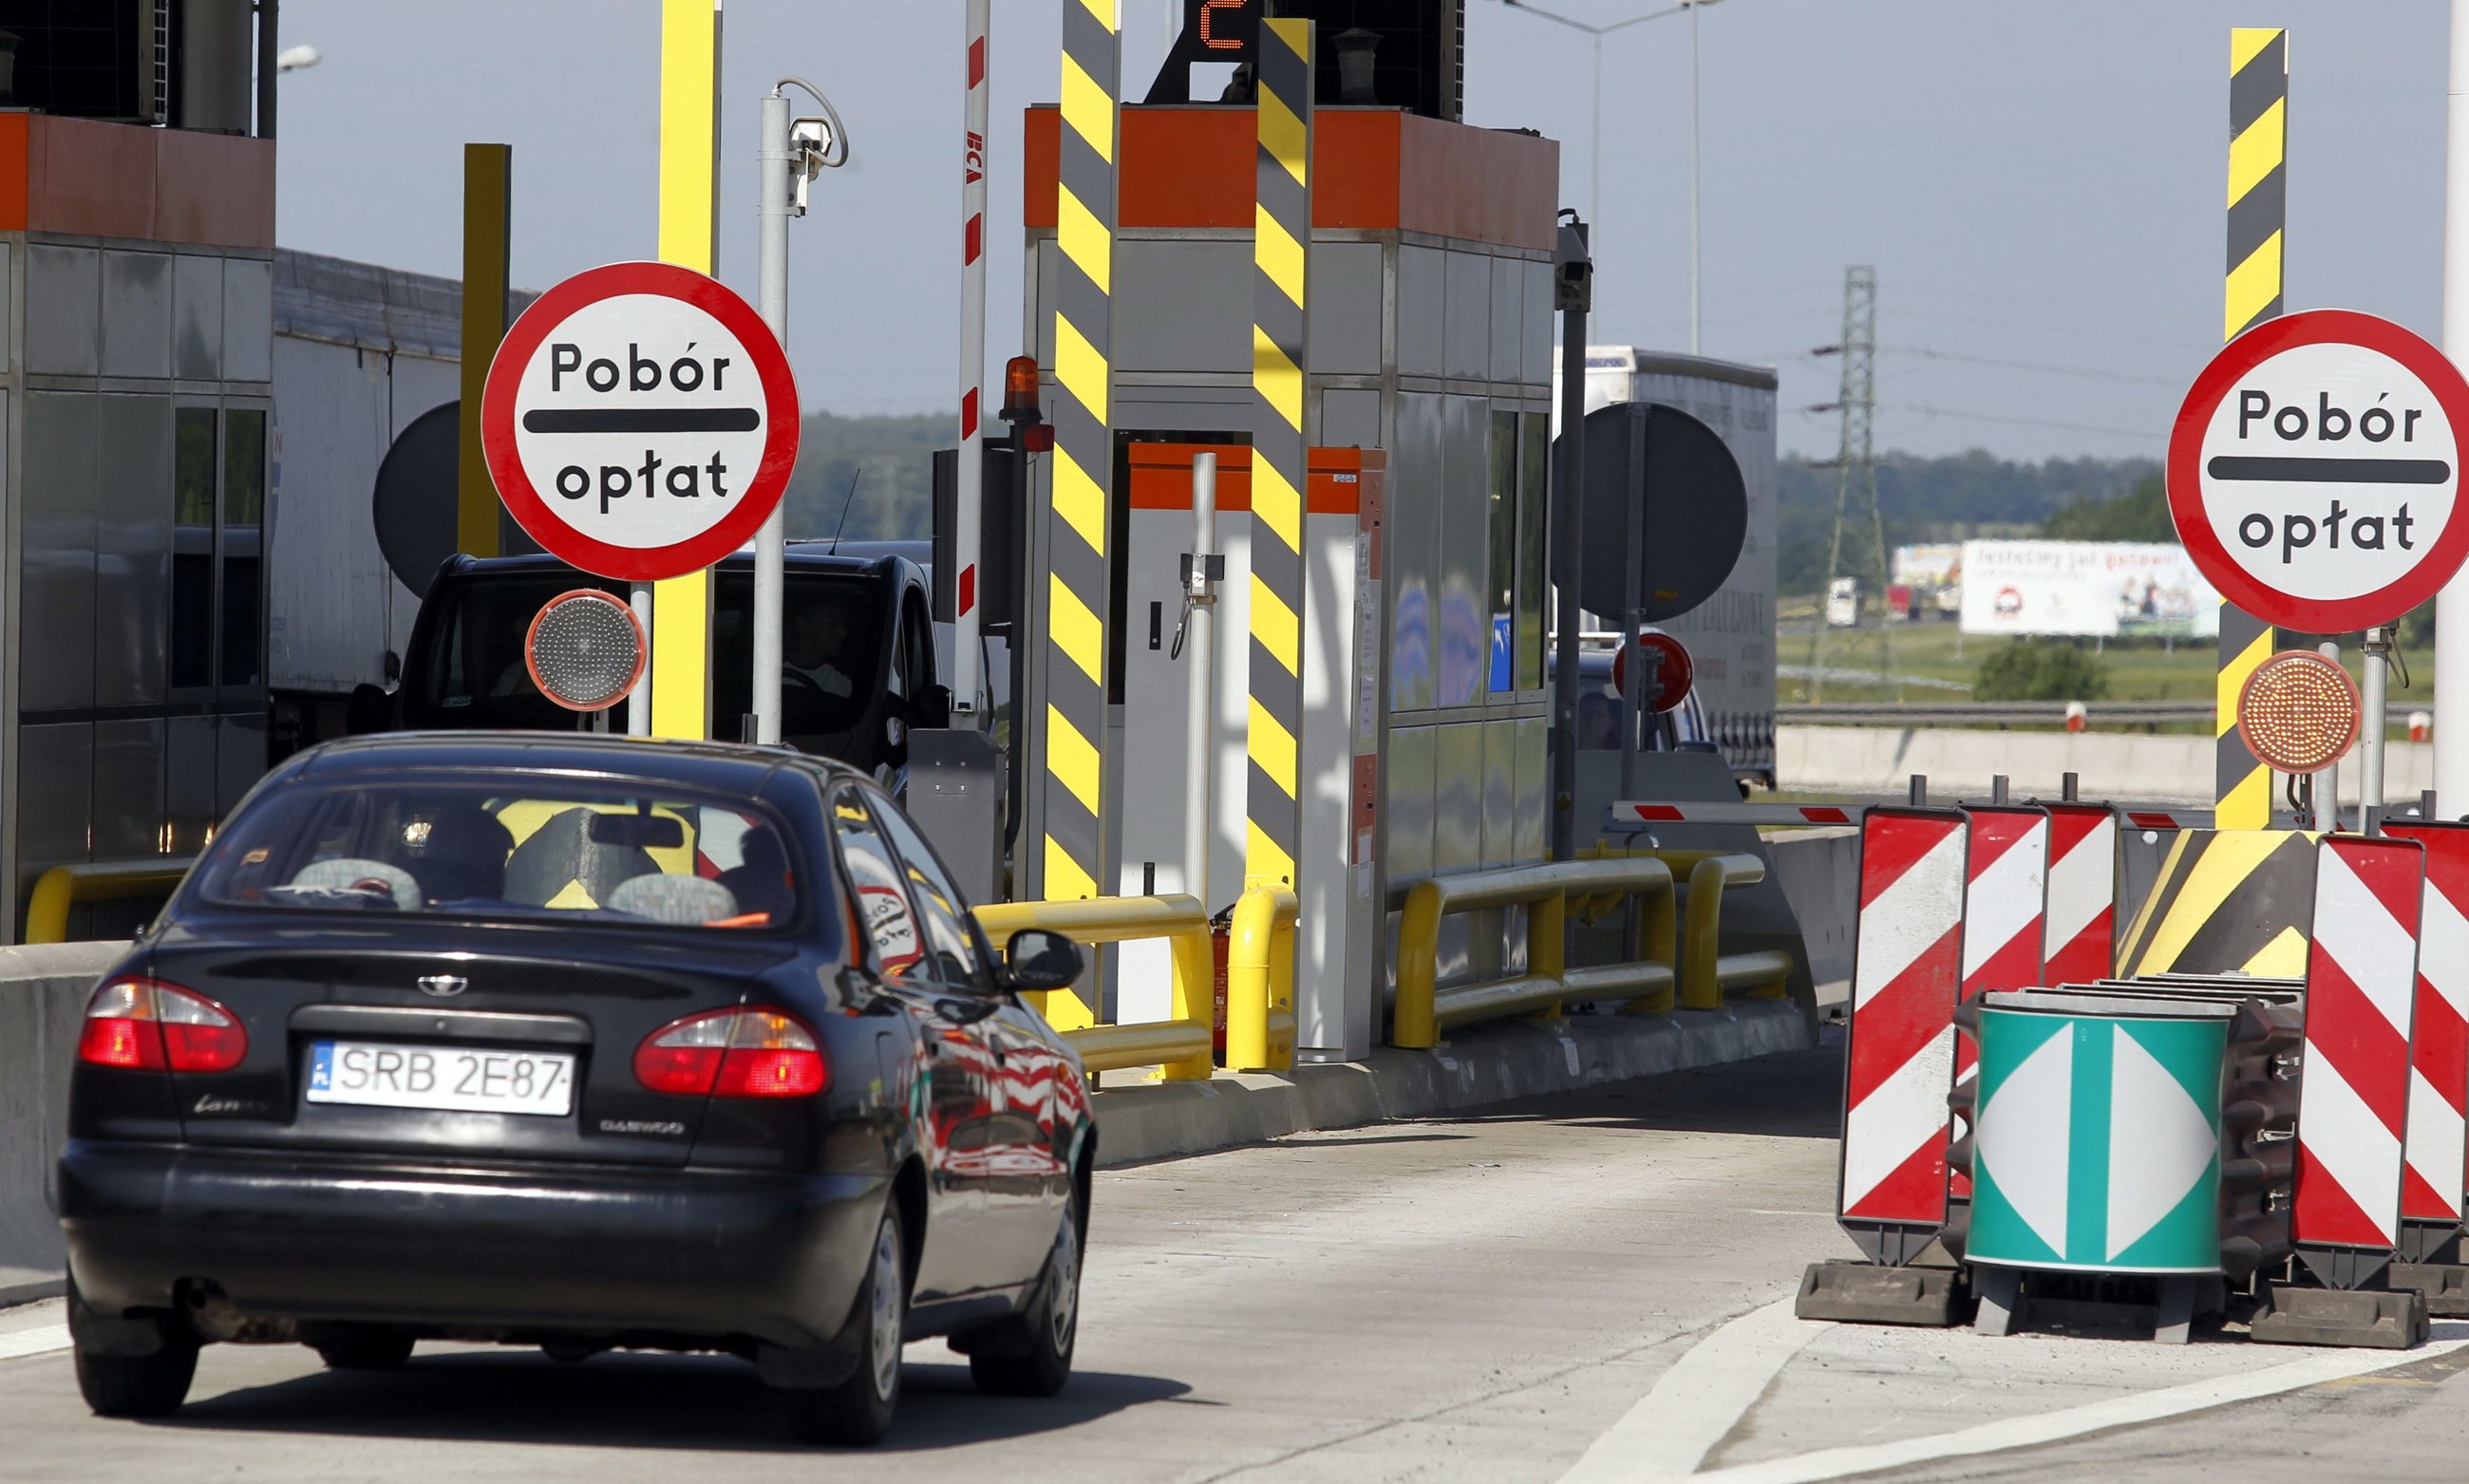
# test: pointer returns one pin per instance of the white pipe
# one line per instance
(2451, 606)
(770, 539)
(1693, 179)
(638, 700)
(969, 504)
(1200, 683)
(2370, 752)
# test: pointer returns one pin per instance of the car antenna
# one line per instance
(845, 505)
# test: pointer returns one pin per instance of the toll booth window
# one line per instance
(1533, 494)
(1501, 550)
(242, 544)
(193, 444)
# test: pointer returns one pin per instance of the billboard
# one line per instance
(1928, 568)
(2094, 589)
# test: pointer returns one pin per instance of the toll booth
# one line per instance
(1427, 383)
(137, 263)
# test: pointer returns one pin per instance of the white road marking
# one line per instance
(1669, 1432)
(33, 1342)
(2014, 1433)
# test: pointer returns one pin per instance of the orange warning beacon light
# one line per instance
(2298, 712)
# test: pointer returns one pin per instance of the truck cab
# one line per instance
(858, 644)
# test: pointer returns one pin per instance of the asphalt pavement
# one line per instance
(1591, 1287)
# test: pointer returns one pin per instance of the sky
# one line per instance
(2040, 187)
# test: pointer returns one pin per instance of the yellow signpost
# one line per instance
(488, 188)
(680, 670)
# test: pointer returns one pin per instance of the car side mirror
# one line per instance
(1040, 960)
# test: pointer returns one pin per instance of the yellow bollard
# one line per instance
(1260, 981)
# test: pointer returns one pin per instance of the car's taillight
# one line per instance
(754, 1053)
(149, 1026)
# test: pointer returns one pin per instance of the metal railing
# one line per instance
(61, 887)
(1707, 974)
(1181, 1045)
(1260, 981)
(1993, 713)
(1425, 1009)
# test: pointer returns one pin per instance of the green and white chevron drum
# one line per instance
(2098, 1145)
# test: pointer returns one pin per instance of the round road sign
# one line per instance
(585, 650)
(2314, 471)
(639, 421)
(1672, 677)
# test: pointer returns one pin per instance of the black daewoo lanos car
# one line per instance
(583, 1044)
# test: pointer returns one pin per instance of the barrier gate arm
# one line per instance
(1180, 1046)
(57, 889)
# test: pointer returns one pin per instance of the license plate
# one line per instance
(456, 1079)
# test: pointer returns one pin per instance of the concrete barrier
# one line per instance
(2157, 769)
(1819, 871)
(42, 998)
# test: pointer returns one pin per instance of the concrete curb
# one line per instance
(29, 1286)
(1480, 1067)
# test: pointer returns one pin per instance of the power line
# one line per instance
(1993, 417)
(2069, 331)
(2049, 368)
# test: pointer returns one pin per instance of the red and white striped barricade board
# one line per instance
(2437, 1148)
(2006, 901)
(2079, 935)
(1907, 969)
(2354, 1075)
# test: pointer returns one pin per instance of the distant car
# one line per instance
(584, 1043)
(860, 662)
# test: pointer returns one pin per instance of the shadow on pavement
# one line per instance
(688, 1403)
(1791, 1095)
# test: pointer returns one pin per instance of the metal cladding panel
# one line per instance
(1168, 324)
(1349, 417)
(1539, 325)
(55, 785)
(127, 789)
(2079, 933)
(136, 315)
(63, 309)
(1411, 771)
(56, 601)
(1499, 792)
(1464, 629)
(2354, 1069)
(1906, 970)
(2437, 1151)
(248, 319)
(1456, 798)
(1532, 809)
(1324, 1016)
(133, 553)
(1417, 481)
(1468, 316)
(240, 758)
(189, 774)
(1345, 305)
(1732, 636)
(197, 317)
(1423, 282)
(1155, 787)
(1508, 357)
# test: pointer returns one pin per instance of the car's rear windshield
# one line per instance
(516, 846)
(832, 644)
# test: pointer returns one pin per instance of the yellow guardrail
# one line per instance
(1547, 892)
(61, 887)
(1707, 974)
(1260, 981)
(1183, 1045)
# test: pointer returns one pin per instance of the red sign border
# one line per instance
(763, 489)
(2184, 471)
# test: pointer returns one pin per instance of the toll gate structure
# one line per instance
(1427, 384)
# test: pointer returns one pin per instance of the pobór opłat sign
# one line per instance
(2314, 471)
(641, 420)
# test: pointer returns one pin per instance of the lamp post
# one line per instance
(1595, 152)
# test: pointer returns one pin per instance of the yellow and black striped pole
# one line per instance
(1074, 724)
(2258, 216)
(1282, 239)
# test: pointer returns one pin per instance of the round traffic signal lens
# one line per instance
(2298, 712)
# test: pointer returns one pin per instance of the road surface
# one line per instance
(1591, 1287)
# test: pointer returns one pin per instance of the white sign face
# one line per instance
(635, 417)
(2092, 589)
(2317, 460)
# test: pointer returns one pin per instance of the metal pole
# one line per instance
(1693, 179)
(1595, 150)
(1200, 683)
(2328, 816)
(2451, 663)
(1568, 472)
(269, 46)
(771, 540)
(969, 501)
(638, 700)
(2371, 756)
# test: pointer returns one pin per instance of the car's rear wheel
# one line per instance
(857, 1411)
(138, 1385)
(1031, 1355)
(365, 1350)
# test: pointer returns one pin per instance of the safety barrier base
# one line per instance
(1849, 1292)
(2369, 1318)
(2445, 1285)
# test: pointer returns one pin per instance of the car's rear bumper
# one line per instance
(602, 1250)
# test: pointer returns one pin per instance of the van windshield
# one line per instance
(832, 649)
